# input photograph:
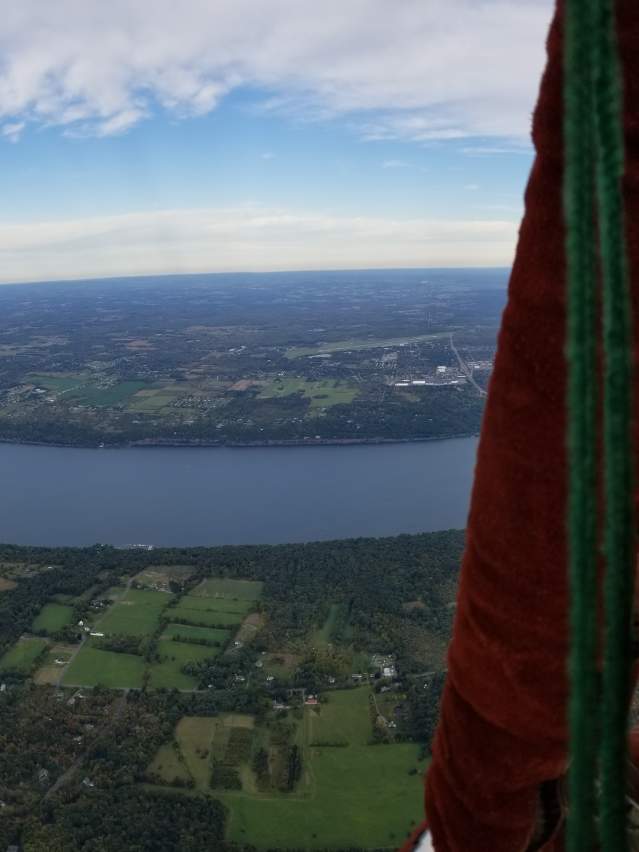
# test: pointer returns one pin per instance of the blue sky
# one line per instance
(363, 139)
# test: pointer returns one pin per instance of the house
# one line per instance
(389, 671)
(87, 782)
(312, 700)
(3, 687)
(43, 776)
(239, 678)
(270, 678)
(357, 677)
(96, 634)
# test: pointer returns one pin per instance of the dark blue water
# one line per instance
(231, 496)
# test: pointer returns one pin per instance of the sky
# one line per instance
(156, 136)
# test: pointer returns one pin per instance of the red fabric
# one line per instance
(502, 729)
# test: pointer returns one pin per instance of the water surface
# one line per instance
(180, 497)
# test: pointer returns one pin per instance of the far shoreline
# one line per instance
(170, 443)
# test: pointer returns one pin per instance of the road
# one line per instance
(464, 367)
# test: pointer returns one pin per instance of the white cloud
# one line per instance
(416, 69)
(244, 238)
(13, 130)
(394, 164)
(472, 187)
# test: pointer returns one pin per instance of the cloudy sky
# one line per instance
(150, 136)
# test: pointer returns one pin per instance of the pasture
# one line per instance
(367, 790)
(205, 634)
(169, 765)
(224, 587)
(22, 656)
(321, 394)
(106, 668)
(208, 612)
(194, 735)
(52, 617)
(137, 613)
(173, 655)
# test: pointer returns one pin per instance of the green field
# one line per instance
(52, 617)
(174, 655)
(107, 396)
(209, 634)
(57, 382)
(195, 735)
(208, 611)
(322, 636)
(22, 655)
(367, 790)
(223, 587)
(168, 765)
(354, 345)
(137, 613)
(107, 668)
(322, 394)
(152, 400)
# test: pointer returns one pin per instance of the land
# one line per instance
(242, 359)
(235, 693)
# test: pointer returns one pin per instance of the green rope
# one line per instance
(581, 356)
(618, 445)
(594, 136)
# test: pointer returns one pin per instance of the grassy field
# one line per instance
(209, 634)
(137, 613)
(154, 400)
(208, 612)
(367, 790)
(107, 668)
(169, 764)
(57, 382)
(174, 655)
(322, 636)
(22, 656)
(195, 735)
(223, 587)
(355, 344)
(107, 396)
(322, 394)
(52, 617)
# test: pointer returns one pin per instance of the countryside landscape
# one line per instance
(265, 681)
(297, 358)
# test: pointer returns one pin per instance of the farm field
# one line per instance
(322, 394)
(366, 789)
(22, 655)
(209, 612)
(208, 634)
(52, 617)
(142, 613)
(322, 636)
(223, 587)
(373, 794)
(106, 668)
(169, 765)
(137, 613)
(6, 584)
(194, 735)
(174, 655)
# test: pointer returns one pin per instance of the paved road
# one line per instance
(464, 367)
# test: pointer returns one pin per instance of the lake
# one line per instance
(180, 496)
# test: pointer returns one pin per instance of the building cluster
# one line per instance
(442, 377)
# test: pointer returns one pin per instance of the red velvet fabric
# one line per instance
(502, 729)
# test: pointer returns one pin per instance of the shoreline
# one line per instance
(169, 443)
